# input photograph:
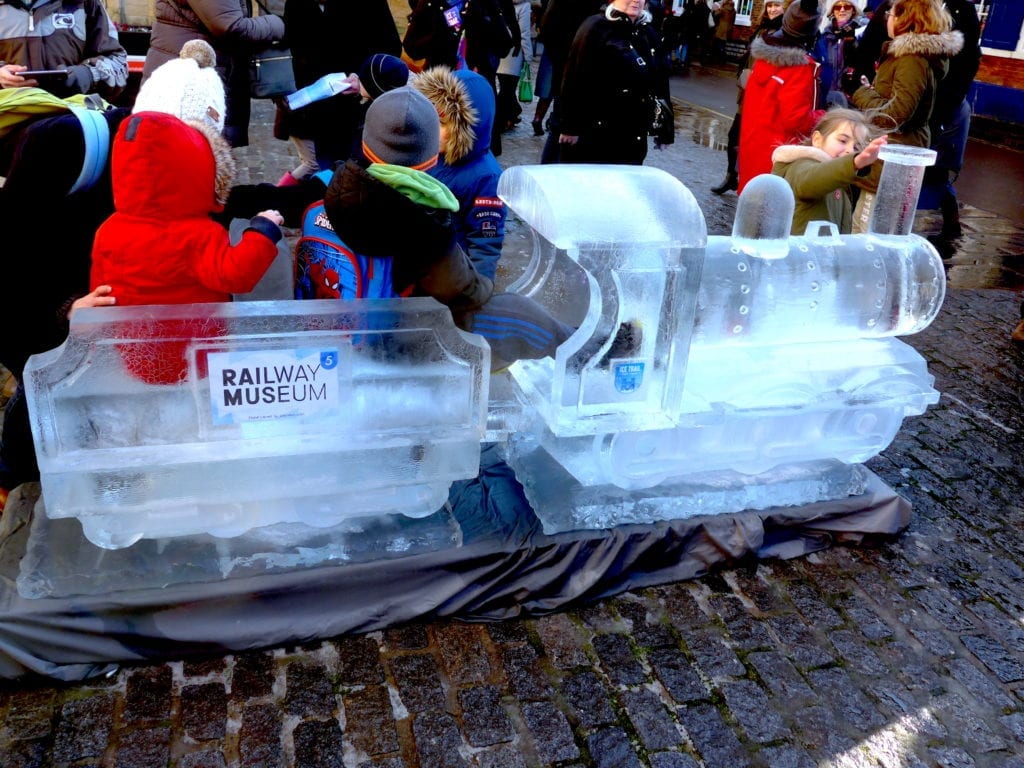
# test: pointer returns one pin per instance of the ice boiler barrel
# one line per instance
(763, 286)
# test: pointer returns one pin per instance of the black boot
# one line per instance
(950, 215)
(730, 182)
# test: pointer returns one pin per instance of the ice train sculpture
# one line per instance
(791, 378)
(708, 374)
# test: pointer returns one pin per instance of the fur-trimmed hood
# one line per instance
(226, 169)
(164, 167)
(465, 103)
(945, 45)
(788, 153)
(778, 55)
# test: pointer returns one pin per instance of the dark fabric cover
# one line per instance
(506, 567)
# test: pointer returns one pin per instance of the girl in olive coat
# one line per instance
(821, 170)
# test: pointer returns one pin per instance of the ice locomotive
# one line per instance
(713, 374)
(165, 421)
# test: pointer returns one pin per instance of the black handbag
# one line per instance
(270, 70)
(662, 117)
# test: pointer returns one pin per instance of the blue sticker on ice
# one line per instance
(628, 376)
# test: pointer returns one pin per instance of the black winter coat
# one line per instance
(435, 27)
(615, 69)
(954, 87)
(335, 39)
(375, 220)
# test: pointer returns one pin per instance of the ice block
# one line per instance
(313, 412)
(618, 252)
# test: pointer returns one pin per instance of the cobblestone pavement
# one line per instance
(908, 652)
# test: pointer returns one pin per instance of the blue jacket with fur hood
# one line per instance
(465, 102)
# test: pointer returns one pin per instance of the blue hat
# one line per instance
(382, 72)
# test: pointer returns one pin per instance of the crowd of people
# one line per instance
(826, 84)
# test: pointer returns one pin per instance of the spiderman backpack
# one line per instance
(326, 268)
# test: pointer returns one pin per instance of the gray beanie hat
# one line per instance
(402, 128)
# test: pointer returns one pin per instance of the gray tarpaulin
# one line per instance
(74, 625)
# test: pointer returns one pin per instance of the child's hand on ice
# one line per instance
(98, 297)
(869, 154)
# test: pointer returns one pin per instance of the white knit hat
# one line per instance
(858, 7)
(187, 87)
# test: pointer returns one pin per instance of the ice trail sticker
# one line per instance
(628, 377)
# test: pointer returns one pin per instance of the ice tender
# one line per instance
(166, 421)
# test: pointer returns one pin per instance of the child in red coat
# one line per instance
(171, 170)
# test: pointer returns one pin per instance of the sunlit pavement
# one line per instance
(901, 653)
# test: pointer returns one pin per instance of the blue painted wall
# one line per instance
(997, 102)
(1002, 28)
(1002, 32)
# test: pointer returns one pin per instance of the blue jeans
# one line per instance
(950, 144)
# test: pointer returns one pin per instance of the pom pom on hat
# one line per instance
(799, 25)
(187, 87)
(402, 128)
(382, 72)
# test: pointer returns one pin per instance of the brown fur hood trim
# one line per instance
(450, 98)
(913, 43)
(778, 55)
(221, 156)
(787, 153)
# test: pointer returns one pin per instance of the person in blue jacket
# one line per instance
(465, 105)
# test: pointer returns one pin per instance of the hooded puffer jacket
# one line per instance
(901, 99)
(465, 102)
(161, 246)
(820, 184)
(779, 105)
(377, 220)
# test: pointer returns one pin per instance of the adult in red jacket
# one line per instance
(780, 100)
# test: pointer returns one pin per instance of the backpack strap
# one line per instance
(96, 132)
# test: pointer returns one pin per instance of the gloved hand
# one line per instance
(79, 79)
